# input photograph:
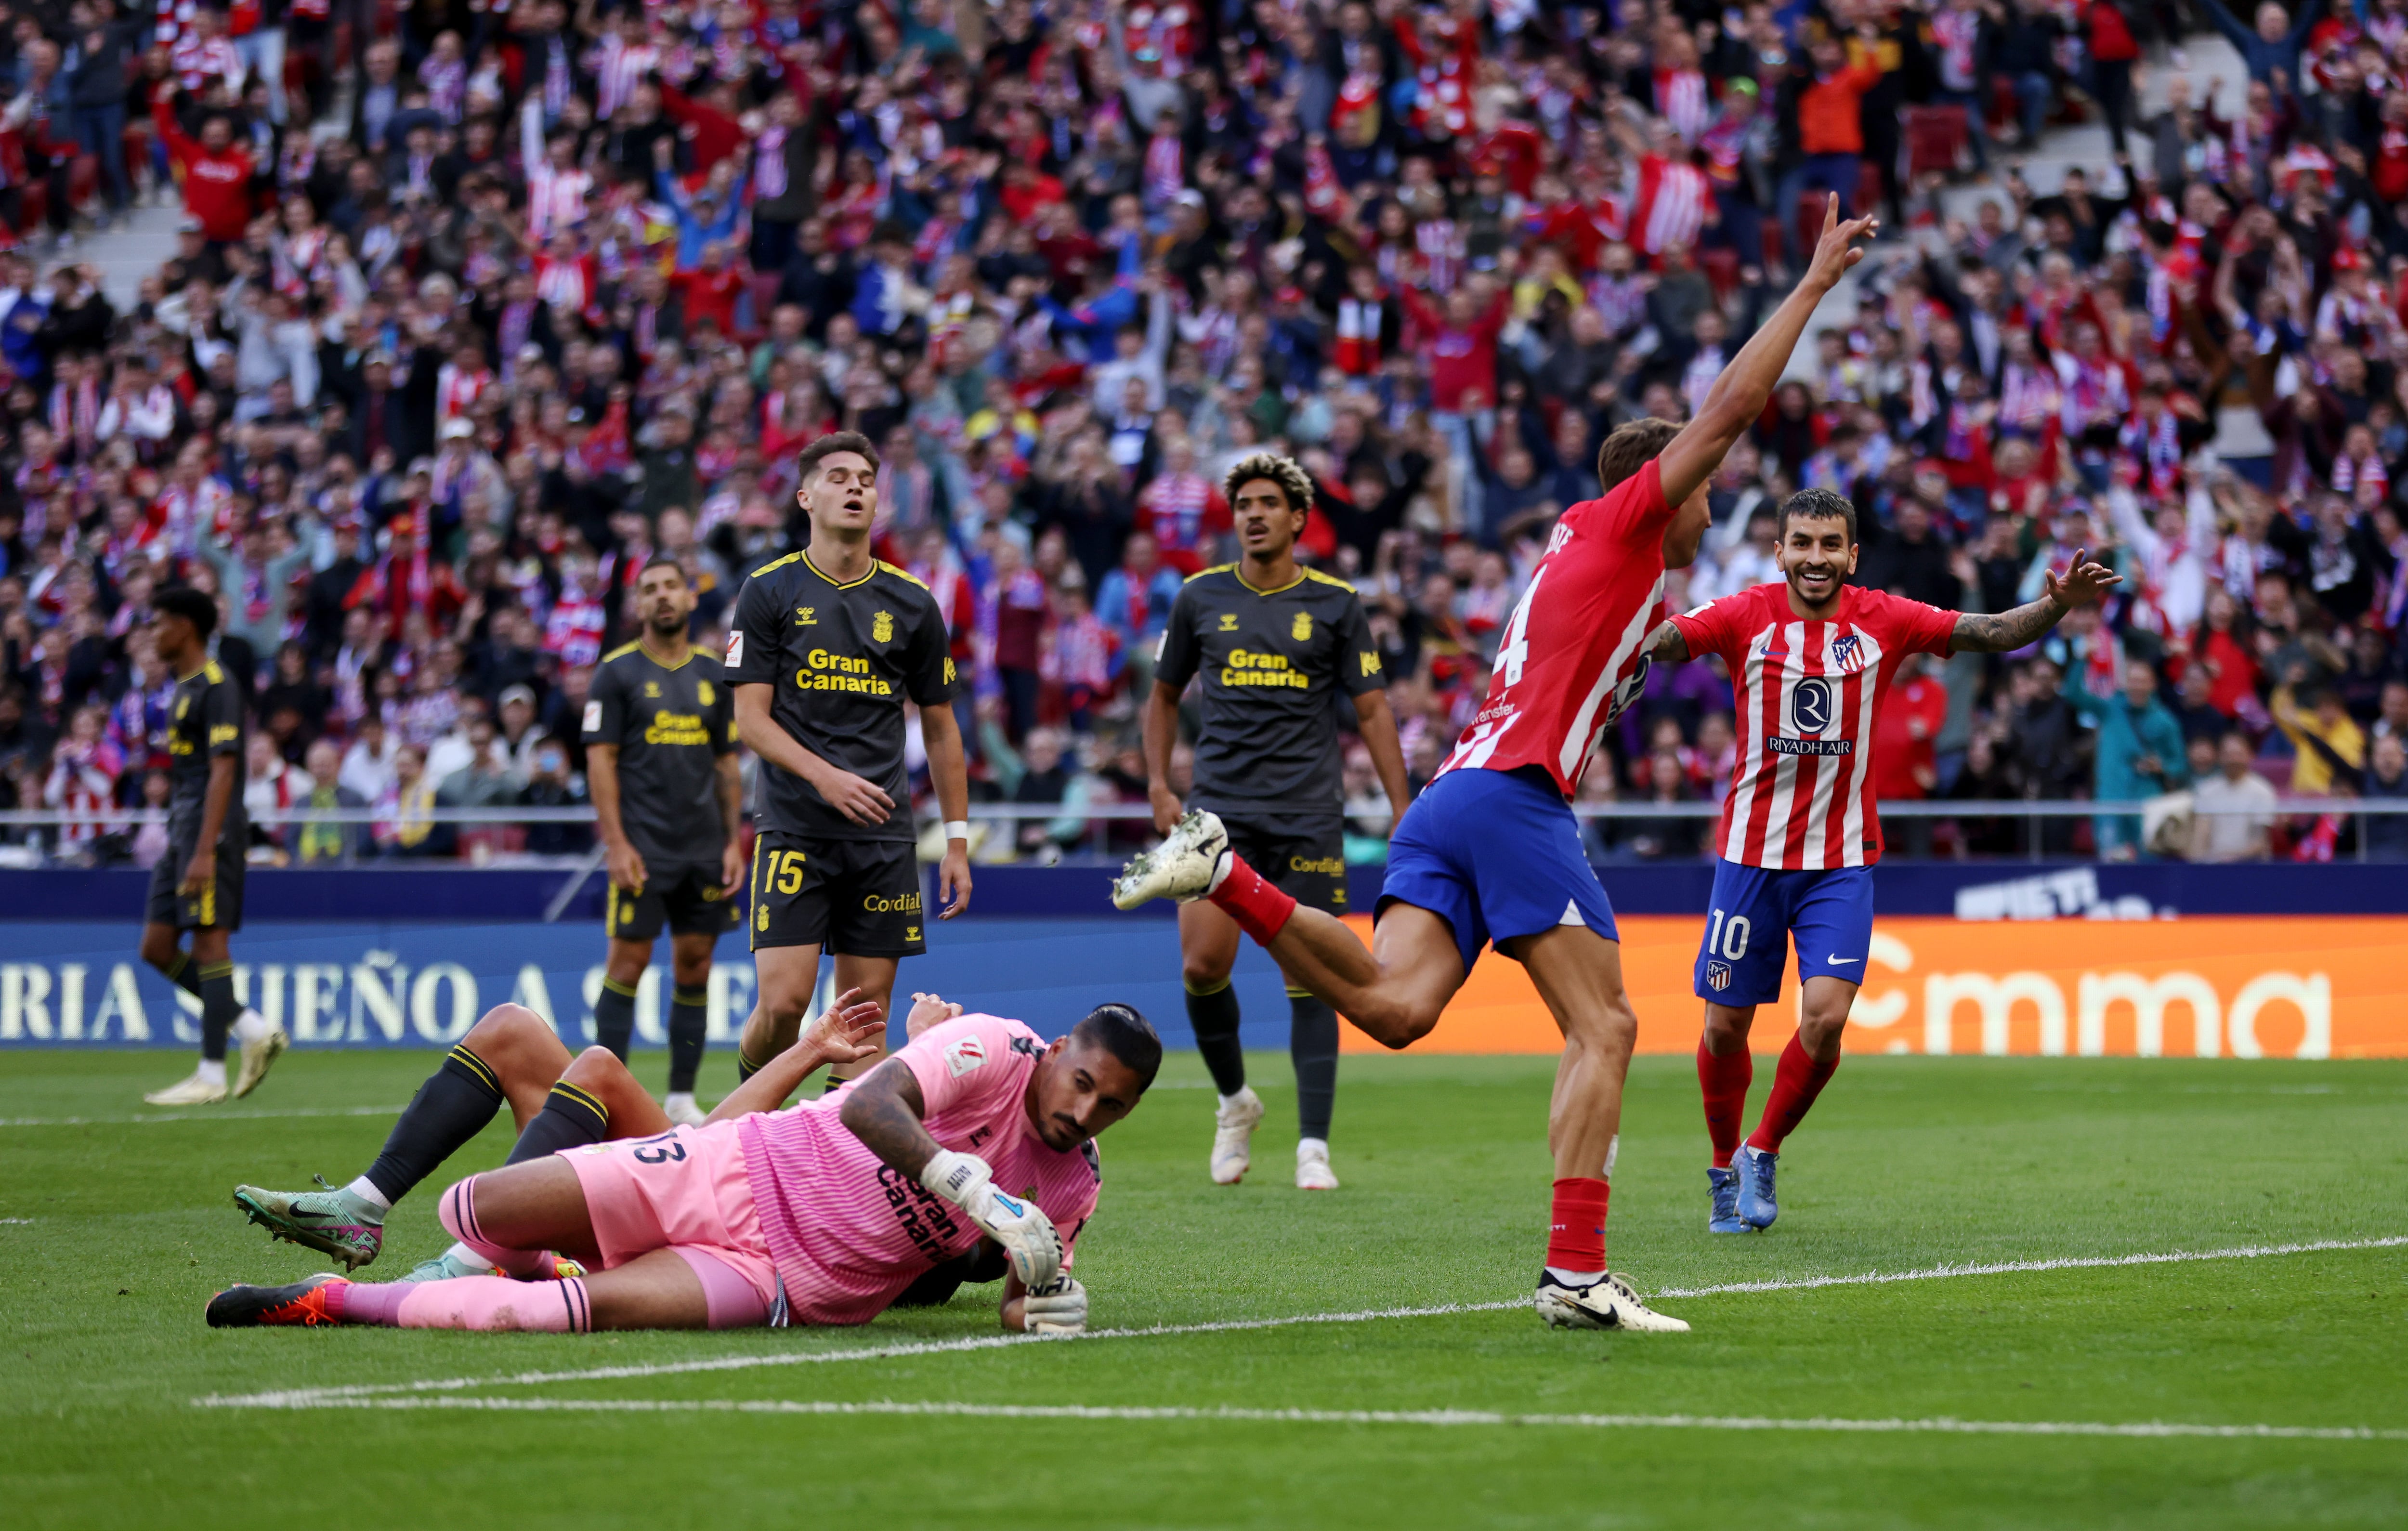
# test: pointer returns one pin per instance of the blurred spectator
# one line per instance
(2233, 808)
(323, 842)
(270, 787)
(2138, 753)
(568, 286)
(2387, 784)
(2331, 747)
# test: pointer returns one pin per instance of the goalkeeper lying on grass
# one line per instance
(888, 1191)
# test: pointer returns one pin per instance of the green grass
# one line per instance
(1906, 1164)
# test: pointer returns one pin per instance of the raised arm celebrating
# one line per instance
(1741, 393)
(2085, 583)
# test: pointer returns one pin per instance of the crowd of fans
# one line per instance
(551, 289)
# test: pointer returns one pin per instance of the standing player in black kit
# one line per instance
(1275, 643)
(659, 757)
(197, 885)
(828, 645)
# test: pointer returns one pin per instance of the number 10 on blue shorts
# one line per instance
(1756, 914)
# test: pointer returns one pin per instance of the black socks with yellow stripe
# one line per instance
(219, 1008)
(614, 1016)
(184, 973)
(448, 1109)
(570, 1119)
(1213, 1015)
(688, 1019)
(1313, 1044)
(614, 1027)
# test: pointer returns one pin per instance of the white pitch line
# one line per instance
(2011, 1267)
(305, 1398)
(2151, 1429)
(198, 1116)
(16, 1221)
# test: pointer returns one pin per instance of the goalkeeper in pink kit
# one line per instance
(977, 1133)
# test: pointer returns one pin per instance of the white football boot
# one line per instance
(1179, 868)
(1233, 1133)
(260, 1048)
(191, 1090)
(683, 1110)
(1312, 1171)
(1606, 1303)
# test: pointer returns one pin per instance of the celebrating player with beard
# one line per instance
(1490, 851)
(1810, 660)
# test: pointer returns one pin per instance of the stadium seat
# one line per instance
(1936, 138)
(1868, 194)
(1721, 266)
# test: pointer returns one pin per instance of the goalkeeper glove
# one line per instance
(1057, 1308)
(1030, 1240)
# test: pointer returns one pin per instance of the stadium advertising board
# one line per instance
(2202, 987)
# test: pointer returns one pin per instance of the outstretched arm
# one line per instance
(2084, 584)
(1745, 386)
(846, 1032)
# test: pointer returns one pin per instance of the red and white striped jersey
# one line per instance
(1673, 201)
(1569, 660)
(1802, 798)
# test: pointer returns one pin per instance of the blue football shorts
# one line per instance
(1756, 914)
(1496, 854)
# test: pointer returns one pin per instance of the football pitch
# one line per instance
(2001, 1293)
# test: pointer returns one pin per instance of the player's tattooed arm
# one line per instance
(884, 1110)
(1666, 646)
(1982, 633)
(2084, 583)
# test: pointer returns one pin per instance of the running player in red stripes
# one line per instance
(1810, 659)
(1490, 852)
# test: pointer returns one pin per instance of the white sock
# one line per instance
(676, 1099)
(1313, 1148)
(365, 1190)
(462, 1255)
(1227, 1101)
(1220, 870)
(212, 1070)
(1576, 1278)
(250, 1026)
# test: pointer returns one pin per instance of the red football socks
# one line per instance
(1723, 1081)
(1795, 1084)
(1260, 909)
(1576, 1228)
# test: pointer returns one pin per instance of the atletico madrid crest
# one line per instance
(1718, 975)
(1848, 653)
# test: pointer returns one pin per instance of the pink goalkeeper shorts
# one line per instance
(683, 1190)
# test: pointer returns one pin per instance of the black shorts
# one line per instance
(688, 900)
(1305, 861)
(218, 906)
(854, 898)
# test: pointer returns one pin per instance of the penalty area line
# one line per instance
(311, 1397)
(1448, 1418)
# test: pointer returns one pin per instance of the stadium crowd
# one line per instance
(558, 288)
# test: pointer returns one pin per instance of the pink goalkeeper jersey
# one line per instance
(1568, 659)
(1802, 798)
(848, 1232)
